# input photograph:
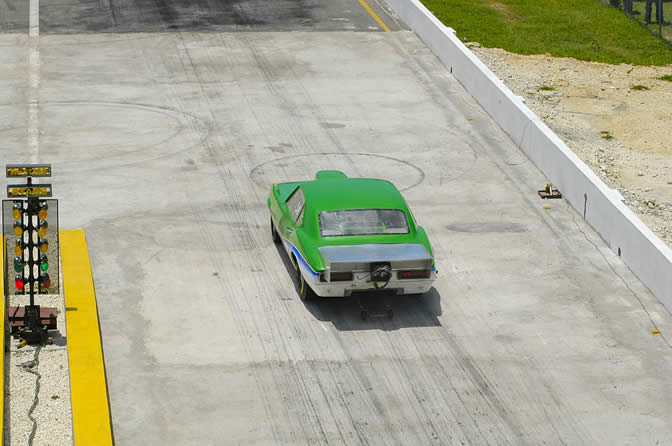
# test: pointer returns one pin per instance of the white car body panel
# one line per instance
(357, 258)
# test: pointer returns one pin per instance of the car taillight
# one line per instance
(340, 277)
(415, 274)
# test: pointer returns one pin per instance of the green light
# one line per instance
(18, 264)
(44, 262)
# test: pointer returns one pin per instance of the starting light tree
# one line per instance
(30, 209)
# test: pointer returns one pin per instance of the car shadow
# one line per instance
(385, 310)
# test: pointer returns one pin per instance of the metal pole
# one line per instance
(34, 332)
(659, 13)
(31, 263)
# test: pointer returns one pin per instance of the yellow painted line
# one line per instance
(88, 387)
(375, 16)
(2, 357)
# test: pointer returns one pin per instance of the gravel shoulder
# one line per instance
(621, 132)
(53, 412)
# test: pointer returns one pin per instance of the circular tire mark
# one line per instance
(173, 131)
(257, 172)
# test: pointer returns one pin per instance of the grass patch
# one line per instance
(582, 29)
(638, 11)
(639, 87)
(666, 77)
(546, 88)
(606, 135)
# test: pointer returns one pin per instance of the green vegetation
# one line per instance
(666, 77)
(607, 135)
(639, 87)
(583, 29)
(546, 88)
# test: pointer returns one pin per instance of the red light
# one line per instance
(45, 281)
(19, 282)
(340, 277)
(416, 274)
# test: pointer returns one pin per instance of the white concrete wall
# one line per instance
(646, 255)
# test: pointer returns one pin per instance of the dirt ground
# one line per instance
(623, 133)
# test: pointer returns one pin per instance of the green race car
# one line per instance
(350, 234)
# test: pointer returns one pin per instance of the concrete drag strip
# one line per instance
(532, 334)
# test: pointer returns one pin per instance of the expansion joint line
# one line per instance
(31, 367)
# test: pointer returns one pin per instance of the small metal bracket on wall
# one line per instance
(550, 192)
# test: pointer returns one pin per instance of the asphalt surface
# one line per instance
(164, 146)
(13, 16)
(123, 16)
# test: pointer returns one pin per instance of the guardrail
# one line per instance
(602, 207)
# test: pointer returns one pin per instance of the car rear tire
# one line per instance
(305, 291)
(274, 233)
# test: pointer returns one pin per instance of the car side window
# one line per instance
(299, 219)
(295, 204)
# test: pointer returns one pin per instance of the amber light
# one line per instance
(340, 277)
(17, 210)
(18, 228)
(42, 227)
(44, 207)
(19, 247)
(415, 274)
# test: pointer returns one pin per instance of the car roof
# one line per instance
(352, 193)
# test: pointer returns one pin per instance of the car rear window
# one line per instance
(363, 222)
